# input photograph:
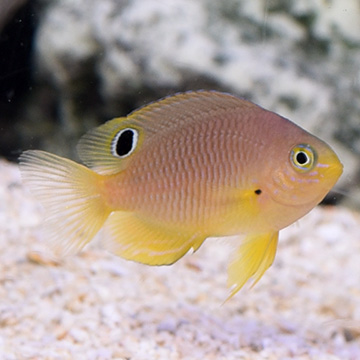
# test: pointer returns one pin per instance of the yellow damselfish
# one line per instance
(175, 172)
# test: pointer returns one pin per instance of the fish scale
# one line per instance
(197, 165)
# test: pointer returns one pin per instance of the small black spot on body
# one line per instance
(258, 191)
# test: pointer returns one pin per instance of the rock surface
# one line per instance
(8, 8)
(98, 306)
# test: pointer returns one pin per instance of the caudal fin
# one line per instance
(69, 192)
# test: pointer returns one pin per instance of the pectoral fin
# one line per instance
(133, 238)
(252, 259)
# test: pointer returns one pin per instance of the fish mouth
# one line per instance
(298, 191)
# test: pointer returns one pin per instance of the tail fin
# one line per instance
(69, 192)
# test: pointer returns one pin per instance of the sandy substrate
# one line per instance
(98, 306)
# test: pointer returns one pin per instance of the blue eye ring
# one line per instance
(303, 157)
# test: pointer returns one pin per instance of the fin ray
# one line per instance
(252, 259)
(94, 148)
(154, 119)
(132, 238)
(69, 193)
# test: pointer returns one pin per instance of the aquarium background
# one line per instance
(69, 65)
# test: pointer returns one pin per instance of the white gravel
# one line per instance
(98, 306)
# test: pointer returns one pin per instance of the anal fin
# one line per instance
(252, 259)
(133, 238)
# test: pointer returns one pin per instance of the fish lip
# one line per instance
(333, 171)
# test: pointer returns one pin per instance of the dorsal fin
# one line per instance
(95, 147)
(183, 107)
(154, 119)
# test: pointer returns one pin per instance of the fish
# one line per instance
(171, 174)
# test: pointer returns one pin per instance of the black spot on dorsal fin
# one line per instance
(124, 142)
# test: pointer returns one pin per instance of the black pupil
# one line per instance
(125, 142)
(302, 158)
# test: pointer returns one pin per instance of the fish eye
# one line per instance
(124, 142)
(302, 157)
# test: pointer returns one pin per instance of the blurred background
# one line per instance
(69, 65)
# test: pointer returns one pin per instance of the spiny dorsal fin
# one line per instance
(183, 108)
(155, 119)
